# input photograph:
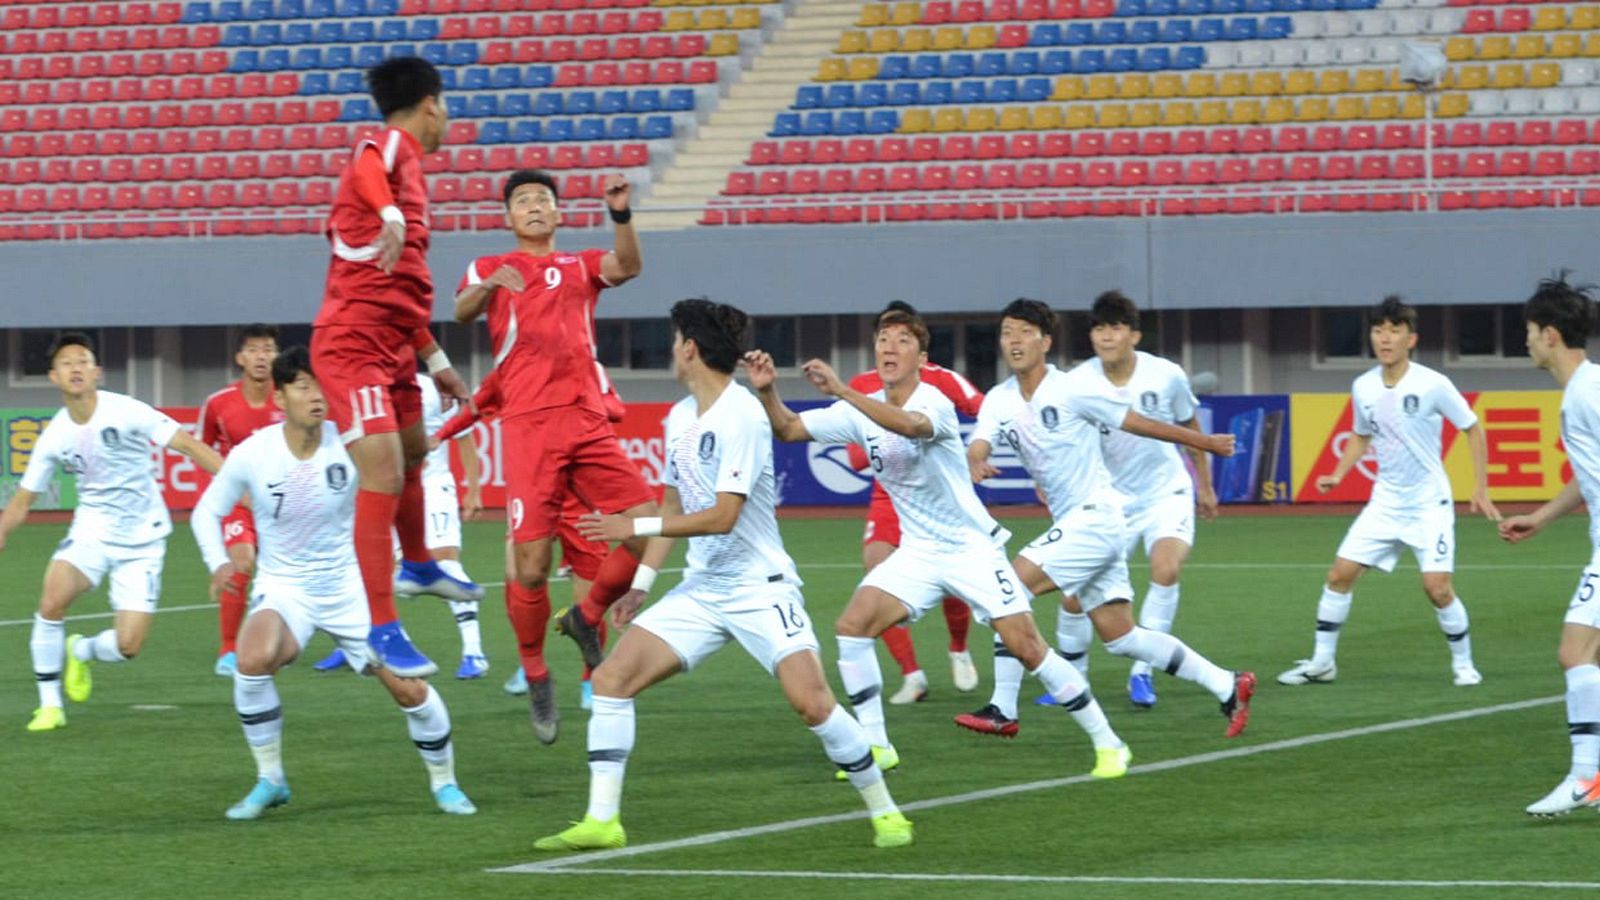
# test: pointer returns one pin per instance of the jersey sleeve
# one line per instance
(157, 425)
(1453, 406)
(966, 397)
(941, 414)
(593, 259)
(477, 271)
(210, 425)
(1184, 402)
(231, 483)
(370, 178)
(41, 464)
(988, 427)
(742, 456)
(1359, 423)
(837, 423)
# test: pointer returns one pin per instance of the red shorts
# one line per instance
(368, 375)
(239, 527)
(577, 551)
(556, 452)
(883, 524)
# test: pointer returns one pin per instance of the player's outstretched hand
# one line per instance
(472, 503)
(823, 377)
(618, 192)
(758, 365)
(452, 389)
(981, 470)
(1517, 529)
(391, 241)
(507, 277)
(1326, 483)
(1205, 503)
(597, 527)
(1221, 445)
(1482, 504)
(626, 607)
(219, 579)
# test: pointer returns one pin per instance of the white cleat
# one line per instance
(1307, 672)
(913, 689)
(1569, 795)
(1467, 676)
(963, 672)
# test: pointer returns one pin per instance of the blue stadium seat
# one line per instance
(348, 83)
(526, 132)
(505, 78)
(392, 30)
(370, 55)
(447, 79)
(245, 61)
(624, 128)
(1078, 34)
(1045, 34)
(438, 54)
(306, 58)
(494, 133)
(644, 100)
(883, 121)
(839, 96)
(315, 83)
(1189, 58)
(363, 32)
(538, 76)
(227, 11)
(275, 60)
(290, 9)
(296, 33)
(1144, 31)
(679, 100)
(925, 65)
(1161, 7)
(1358, 4)
(1242, 29)
(1111, 33)
(785, 125)
(1154, 59)
(1056, 62)
(513, 106)
(809, 96)
(329, 33)
(817, 124)
(991, 65)
(1274, 28)
(938, 93)
(1023, 62)
(958, 65)
(1089, 62)
(351, 9)
(1003, 90)
(1122, 59)
(891, 68)
(1226, 7)
(393, 51)
(1290, 5)
(235, 36)
(358, 109)
(1322, 5)
(656, 128)
(1129, 8)
(266, 35)
(850, 122)
(558, 131)
(1177, 31)
(970, 92)
(581, 103)
(423, 30)
(1194, 7)
(1209, 31)
(383, 7)
(873, 93)
(321, 9)
(1259, 6)
(476, 79)
(1034, 90)
(256, 10)
(462, 53)
(906, 93)
(196, 13)
(455, 106)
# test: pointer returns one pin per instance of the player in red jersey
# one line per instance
(366, 340)
(883, 536)
(226, 419)
(540, 306)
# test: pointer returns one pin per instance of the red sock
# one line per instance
(411, 519)
(586, 670)
(958, 618)
(529, 612)
(898, 640)
(612, 581)
(231, 609)
(375, 552)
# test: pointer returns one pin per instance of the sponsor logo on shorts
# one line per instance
(1051, 417)
(708, 444)
(109, 436)
(338, 476)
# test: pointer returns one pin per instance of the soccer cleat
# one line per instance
(264, 796)
(1237, 707)
(913, 690)
(1111, 762)
(333, 662)
(570, 622)
(395, 652)
(963, 672)
(1307, 672)
(564, 573)
(586, 698)
(886, 757)
(472, 667)
(989, 720)
(48, 718)
(1142, 691)
(1467, 676)
(517, 684)
(415, 578)
(1572, 793)
(452, 800)
(542, 709)
(590, 834)
(226, 664)
(76, 680)
(891, 830)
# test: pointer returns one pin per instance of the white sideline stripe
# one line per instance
(1080, 879)
(717, 837)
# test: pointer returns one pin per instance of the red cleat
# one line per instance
(1237, 709)
(989, 720)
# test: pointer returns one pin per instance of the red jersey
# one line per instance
(358, 292)
(543, 337)
(950, 383)
(227, 418)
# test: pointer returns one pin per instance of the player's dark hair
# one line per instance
(401, 83)
(69, 339)
(530, 176)
(910, 321)
(1114, 308)
(1034, 312)
(1394, 311)
(719, 331)
(253, 331)
(1569, 309)
(898, 306)
(289, 364)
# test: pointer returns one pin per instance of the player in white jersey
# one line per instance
(302, 488)
(119, 528)
(739, 584)
(1559, 321)
(949, 543)
(1399, 408)
(1053, 420)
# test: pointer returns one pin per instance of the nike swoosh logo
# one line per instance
(1579, 796)
(273, 487)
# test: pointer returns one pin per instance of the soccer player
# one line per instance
(1559, 320)
(119, 528)
(226, 419)
(1054, 420)
(301, 482)
(739, 585)
(883, 535)
(950, 544)
(1399, 406)
(368, 336)
(539, 302)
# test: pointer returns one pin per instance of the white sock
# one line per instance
(846, 744)
(1157, 613)
(1453, 622)
(1007, 679)
(1175, 658)
(255, 698)
(454, 569)
(1073, 635)
(863, 681)
(47, 647)
(429, 724)
(1583, 719)
(1067, 686)
(466, 613)
(1332, 611)
(101, 647)
(611, 729)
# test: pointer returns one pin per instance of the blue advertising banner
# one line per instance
(1258, 471)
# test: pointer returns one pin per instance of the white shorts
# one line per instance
(1083, 554)
(768, 620)
(1585, 606)
(444, 511)
(1169, 516)
(135, 571)
(1378, 535)
(343, 617)
(981, 575)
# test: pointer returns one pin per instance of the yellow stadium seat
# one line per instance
(746, 18)
(670, 3)
(1549, 18)
(863, 68)
(915, 121)
(1134, 87)
(712, 20)
(947, 39)
(1528, 46)
(873, 15)
(1166, 84)
(1112, 115)
(1452, 105)
(1246, 112)
(1544, 75)
(1211, 112)
(1278, 109)
(697, 2)
(1177, 113)
(916, 40)
(850, 42)
(1591, 45)
(1509, 75)
(1586, 18)
(1369, 81)
(1233, 84)
(1013, 118)
(1068, 87)
(1144, 115)
(1101, 87)
(906, 14)
(679, 20)
(1045, 118)
(1471, 78)
(1200, 84)
(884, 40)
(1566, 46)
(981, 37)
(1333, 81)
(1079, 115)
(1347, 108)
(980, 118)
(1386, 106)
(728, 45)
(1266, 84)
(1495, 46)
(948, 119)
(1460, 48)
(1300, 81)
(833, 69)
(1311, 109)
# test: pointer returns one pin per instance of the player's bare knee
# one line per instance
(814, 707)
(1072, 604)
(409, 692)
(612, 681)
(1340, 581)
(1440, 593)
(1165, 574)
(254, 662)
(1029, 647)
(532, 575)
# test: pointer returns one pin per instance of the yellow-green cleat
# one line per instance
(590, 834)
(886, 757)
(48, 718)
(891, 830)
(1112, 762)
(76, 680)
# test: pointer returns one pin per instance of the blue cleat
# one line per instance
(1142, 691)
(227, 663)
(452, 800)
(472, 667)
(1044, 700)
(333, 662)
(586, 699)
(517, 684)
(264, 796)
(393, 650)
(427, 578)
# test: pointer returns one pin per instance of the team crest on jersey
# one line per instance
(109, 436)
(338, 476)
(1410, 404)
(1050, 417)
(708, 444)
(1148, 401)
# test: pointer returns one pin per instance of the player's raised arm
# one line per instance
(474, 293)
(369, 177)
(894, 418)
(624, 262)
(203, 455)
(786, 424)
(1215, 444)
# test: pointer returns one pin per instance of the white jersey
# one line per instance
(728, 450)
(1405, 423)
(304, 512)
(1056, 433)
(118, 500)
(437, 463)
(926, 478)
(1580, 432)
(1143, 468)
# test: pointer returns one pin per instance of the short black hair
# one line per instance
(70, 339)
(718, 330)
(899, 306)
(1033, 312)
(401, 83)
(1114, 308)
(1394, 311)
(255, 330)
(530, 176)
(289, 364)
(1567, 308)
